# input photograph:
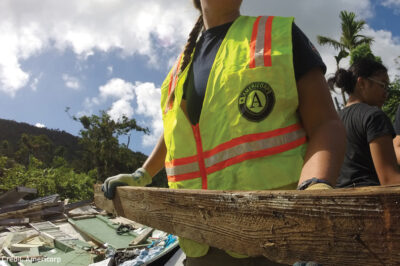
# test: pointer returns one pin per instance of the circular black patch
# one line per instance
(256, 101)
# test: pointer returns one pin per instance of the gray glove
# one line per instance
(139, 178)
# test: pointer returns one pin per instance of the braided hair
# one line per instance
(194, 34)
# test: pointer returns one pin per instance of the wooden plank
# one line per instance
(47, 213)
(336, 227)
(15, 221)
(35, 209)
(142, 236)
(71, 206)
(50, 200)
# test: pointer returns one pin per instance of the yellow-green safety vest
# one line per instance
(249, 136)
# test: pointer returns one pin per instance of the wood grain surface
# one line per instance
(336, 227)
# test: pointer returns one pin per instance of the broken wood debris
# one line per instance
(36, 234)
(14, 195)
(337, 227)
(142, 236)
(15, 221)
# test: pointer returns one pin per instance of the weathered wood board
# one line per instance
(337, 227)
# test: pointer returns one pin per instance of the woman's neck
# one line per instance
(212, 19)
(353, 100)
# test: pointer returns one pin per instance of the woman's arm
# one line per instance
(155, 162)
(396, 145)
(325, 132)
(141, 177)
(384, 159)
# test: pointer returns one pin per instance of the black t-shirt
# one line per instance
(363, 124)
(397, 121)
(305, 58)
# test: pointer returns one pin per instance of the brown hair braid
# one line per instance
(191, 43)
(197, 4)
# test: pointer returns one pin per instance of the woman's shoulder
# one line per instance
(362, 108)
(371, 110)
(361, 112)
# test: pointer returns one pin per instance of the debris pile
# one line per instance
(46, 230)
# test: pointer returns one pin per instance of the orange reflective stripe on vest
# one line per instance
(261, 41)
(235, 151)
(172, 83)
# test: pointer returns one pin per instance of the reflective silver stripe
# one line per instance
(182, 169)
(260, 42)
(254, 146)
(240, 149)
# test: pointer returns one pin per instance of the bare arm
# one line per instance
(155, 162)
(396, 145)
(384, 159)
(325, 131)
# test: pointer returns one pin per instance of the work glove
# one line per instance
(139, 178)
(319, 186)
(314, 184)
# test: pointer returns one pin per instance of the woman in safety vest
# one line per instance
(245, 107)
(370, 158)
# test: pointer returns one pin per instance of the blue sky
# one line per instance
(113, 55)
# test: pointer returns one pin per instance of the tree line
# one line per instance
(52, 166)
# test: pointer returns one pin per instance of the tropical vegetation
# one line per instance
(43, 159)
(350, 40)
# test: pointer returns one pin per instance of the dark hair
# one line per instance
(347, 79)
(197, 4)
(194, 34)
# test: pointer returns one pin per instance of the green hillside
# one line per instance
(55, 161)
(12, 132)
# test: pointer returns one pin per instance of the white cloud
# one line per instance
(117, 88)
(151, 28)
(148, 101)
(387, 47)
(134, 27)
(392, 4)
(71, 82)
(35, 82)
(39, 125)
(110, 70)
(123, 94)
(16, 42)
(120, 108)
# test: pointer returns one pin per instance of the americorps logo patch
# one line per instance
(256, 101)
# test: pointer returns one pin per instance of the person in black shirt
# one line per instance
(370, 158)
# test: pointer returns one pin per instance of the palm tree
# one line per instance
(349, 39)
